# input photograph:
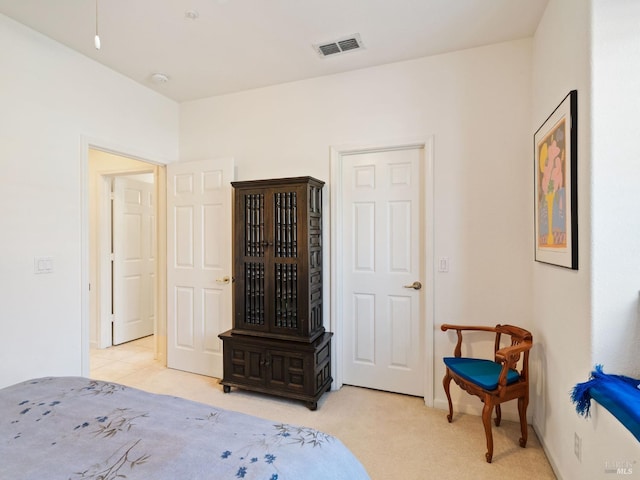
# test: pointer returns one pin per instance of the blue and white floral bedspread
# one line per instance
(71, 428)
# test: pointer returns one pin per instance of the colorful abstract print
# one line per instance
(552, 193)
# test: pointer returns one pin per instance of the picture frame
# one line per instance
(556, 186)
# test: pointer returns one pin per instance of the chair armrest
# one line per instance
(508, 357)
(459, 329)
(447, 326)
(506, 353)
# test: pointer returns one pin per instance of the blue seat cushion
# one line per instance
(483, 373)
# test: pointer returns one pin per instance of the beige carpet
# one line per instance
(394, 436)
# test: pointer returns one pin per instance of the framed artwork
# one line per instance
(556, 191)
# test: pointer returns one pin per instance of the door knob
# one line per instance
(414, 285)
(223, 280)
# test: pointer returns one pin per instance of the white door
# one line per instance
(133, 261)
(198, 264)
(383, 313)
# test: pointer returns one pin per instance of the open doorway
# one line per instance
(123, 213)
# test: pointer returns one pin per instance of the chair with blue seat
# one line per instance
(494, 381)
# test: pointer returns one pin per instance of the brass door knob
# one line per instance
(415, 285)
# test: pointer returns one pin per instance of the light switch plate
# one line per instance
(43, 265)
(443, 264)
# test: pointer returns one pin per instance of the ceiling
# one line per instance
(236, 45)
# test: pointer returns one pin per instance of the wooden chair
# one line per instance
(494, 381)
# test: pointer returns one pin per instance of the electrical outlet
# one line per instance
(577, 446)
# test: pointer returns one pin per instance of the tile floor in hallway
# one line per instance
(133, 364)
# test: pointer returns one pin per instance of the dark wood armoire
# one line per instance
(278, 344)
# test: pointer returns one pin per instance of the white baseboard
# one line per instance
(554, 467)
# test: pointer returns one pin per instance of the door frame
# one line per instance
(89, 143)
(337, 323)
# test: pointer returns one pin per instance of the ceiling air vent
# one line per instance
(337, 47)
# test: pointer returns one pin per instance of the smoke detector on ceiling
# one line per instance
(191, 15)
(340, 46)
(159, 78)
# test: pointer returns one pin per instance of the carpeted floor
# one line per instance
(394, 436)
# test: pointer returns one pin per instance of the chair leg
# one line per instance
(498, 418)
(523, 402)
(446, 382)
(486, 421)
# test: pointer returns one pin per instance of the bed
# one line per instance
(72, 428)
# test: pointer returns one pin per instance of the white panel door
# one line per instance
(198, 264)
(382, 231)
(134, 265)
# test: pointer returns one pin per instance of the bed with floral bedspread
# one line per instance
(72, 428)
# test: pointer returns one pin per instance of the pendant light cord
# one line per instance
(97, 37)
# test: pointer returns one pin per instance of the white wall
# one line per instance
(476, 104)
(616, 185)
(51, 98)
(615, 155)
(588, 316)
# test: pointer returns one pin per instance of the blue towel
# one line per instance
(617, 393)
